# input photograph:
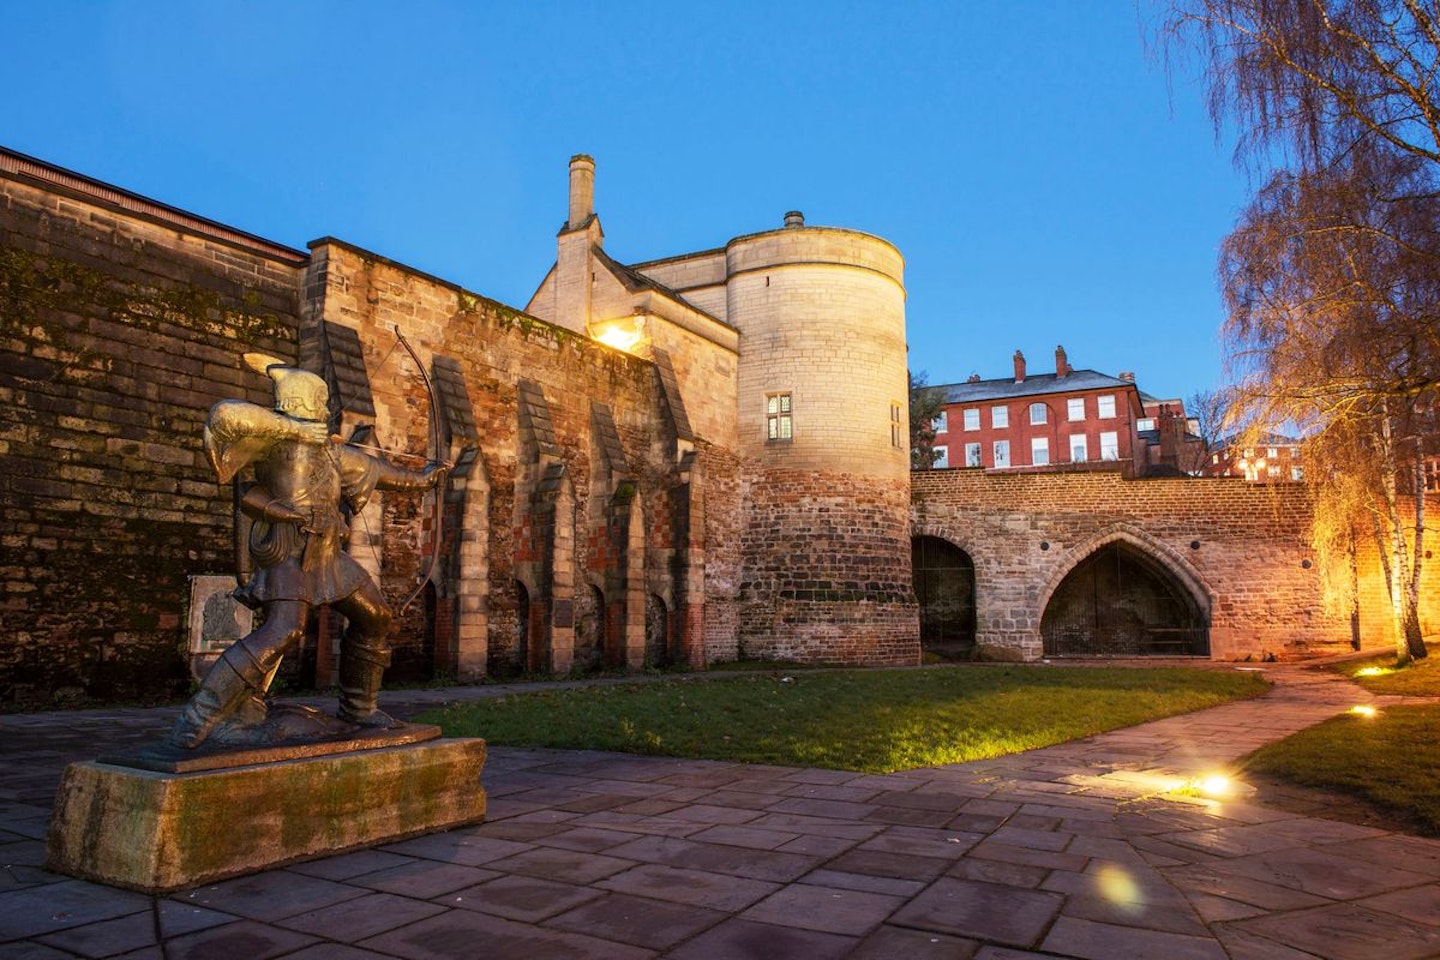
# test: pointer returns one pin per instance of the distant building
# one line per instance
(1170, 438)
(1068, 417)
(1273, 458)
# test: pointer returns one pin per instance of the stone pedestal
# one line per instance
(158, 832)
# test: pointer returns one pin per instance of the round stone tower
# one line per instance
(824, 435)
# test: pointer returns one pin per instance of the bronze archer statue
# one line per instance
(307, 485)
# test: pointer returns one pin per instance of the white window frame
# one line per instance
(1110, 445)
(1041, 411)
(972, 455)
(1000, 416)
(1105, 406)
(1145, 423)
(1078, 445)
(942, 457)
(1039, 451)
(1075, 409)
(941, 423)
(1001, 452)
(971, 417)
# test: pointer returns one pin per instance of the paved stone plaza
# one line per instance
(1062, 852)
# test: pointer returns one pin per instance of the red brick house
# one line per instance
(1027, 421)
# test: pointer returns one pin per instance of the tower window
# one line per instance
(897, 438)
(778, 422)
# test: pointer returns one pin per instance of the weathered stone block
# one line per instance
(159, 832)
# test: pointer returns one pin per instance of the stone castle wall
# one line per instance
(615, 511)
(123, 328)
(117, 334)
(826, 556)
(1244, 547)
(827, 569)
(550, 504)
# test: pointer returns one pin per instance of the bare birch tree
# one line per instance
(1332, 276)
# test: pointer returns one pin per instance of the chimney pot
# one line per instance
(1127, 376)
(582, 190)
(1062, 364)
(794, 218)
(1019, 359)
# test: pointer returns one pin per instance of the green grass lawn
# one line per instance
(1378, 674)
(867, 720)
(1388, 760)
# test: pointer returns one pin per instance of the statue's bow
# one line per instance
(436, 442)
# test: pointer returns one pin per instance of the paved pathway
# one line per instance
(1068, 851)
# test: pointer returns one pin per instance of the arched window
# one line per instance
(590, 632)
(657, 632)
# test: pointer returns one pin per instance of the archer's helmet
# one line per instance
(298, 393)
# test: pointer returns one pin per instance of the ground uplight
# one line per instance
(1214, 785)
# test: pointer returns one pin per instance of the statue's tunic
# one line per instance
(303, 560)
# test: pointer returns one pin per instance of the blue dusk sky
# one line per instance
(1046, 180)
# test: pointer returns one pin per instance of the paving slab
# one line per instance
(638, 920)
(1347, 931)
(831, 909)
(983, 911)
(738, 939)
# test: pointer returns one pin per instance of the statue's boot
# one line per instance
(362, 663)
(235, 684)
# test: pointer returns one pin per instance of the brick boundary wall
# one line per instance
(1241, 549)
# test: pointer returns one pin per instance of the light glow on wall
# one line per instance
(622, 333)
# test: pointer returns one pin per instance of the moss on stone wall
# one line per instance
(36, 290)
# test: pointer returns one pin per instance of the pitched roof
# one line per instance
(636, 281)
(1041, 383)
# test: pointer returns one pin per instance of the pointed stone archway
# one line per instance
(945, 590)
(1123, 595)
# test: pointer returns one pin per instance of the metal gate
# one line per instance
(945, 589)
(1120, 602)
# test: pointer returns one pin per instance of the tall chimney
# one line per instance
(1062, 365)
(1019, 367)
(582, 190)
